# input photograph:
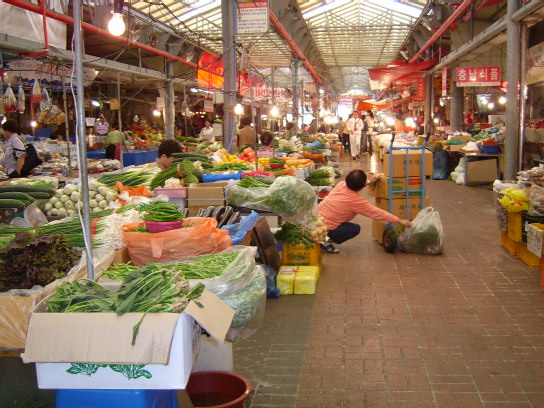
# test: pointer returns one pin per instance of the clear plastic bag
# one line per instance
(249, 306)
(425, 236)
(237, 275)
(291, 198)
(502, 214)
(536, 205)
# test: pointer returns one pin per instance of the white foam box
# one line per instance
(94, 351)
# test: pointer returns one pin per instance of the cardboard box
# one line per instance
(414, 163)
(535, 238)
(285, 280)
(481, 171)
(381, 187)
(455, 148)
(17, 307)
(298, 279)
(306, 280)
(94, 351)
(377, 230)
(400, 208)
(206, 194)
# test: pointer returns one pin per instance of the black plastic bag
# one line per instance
(441, 166)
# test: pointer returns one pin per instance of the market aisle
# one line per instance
(463, 329)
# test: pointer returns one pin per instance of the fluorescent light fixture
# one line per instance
(95, 103)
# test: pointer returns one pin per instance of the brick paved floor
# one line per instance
(462, 329)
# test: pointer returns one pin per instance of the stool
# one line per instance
(116, 399)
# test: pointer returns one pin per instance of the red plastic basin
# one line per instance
(162, 226)
(218, 389)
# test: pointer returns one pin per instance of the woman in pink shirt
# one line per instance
(342, 205)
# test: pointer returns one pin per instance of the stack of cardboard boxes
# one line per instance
(400, 207)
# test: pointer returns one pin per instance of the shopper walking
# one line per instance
(355, 127)
(342, 205)
(247, 135)
(343, 133)
(366, 139)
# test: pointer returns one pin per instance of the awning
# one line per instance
(389, 74)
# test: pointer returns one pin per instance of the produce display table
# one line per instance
(132, 158)
(481, 168)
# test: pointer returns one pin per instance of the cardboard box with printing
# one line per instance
(206, 194)
(381, 187)
(415, 161)
(400, 207)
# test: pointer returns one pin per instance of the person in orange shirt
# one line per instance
(342, 205)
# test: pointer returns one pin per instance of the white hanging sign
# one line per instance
(252, 17)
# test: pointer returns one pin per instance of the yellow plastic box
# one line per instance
(306, 280)
(508, 244)
(301, 255)
(514, 226)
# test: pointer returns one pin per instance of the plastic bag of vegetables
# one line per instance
(291, 198)
(249, 306)
(236, 275)
(425, 236)
(514, 200)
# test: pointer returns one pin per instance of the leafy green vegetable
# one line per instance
(293, 235)
(247, 302)
(161, 211)
(29, 260)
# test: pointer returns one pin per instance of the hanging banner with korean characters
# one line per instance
(444, 81)
(478, 76)
(252, 17)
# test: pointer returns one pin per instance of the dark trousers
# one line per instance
(345, 142)
(343, 232)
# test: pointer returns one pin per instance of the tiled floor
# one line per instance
(461, 329)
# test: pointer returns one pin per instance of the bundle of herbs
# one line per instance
(39, 259)
(151, 288)
(292, 234)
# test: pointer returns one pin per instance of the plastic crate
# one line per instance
(514, 226)
(508, 244)
(527, 256)
(301, 255)
(116, 398)
(527, 219)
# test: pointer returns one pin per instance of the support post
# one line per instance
(428, 104)
(120, 128)
(294, 72)
(169, 110)
(523, 93)
(228, 17)
(67, 128)
(513, 55)
(456, 107)
(80, 137)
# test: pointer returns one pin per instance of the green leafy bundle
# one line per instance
(293, 235)
(161, 211)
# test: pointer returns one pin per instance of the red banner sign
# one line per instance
(444, 81)
(420, 89)
(478, 76)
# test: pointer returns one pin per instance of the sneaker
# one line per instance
(329, 248)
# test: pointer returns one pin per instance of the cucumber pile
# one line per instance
(17, 196)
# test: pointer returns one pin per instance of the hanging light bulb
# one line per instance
(156, 112)
(238, 109)
(274, 111)
(33, 123)
(490, 105)
(502, 100)
(116, 25)
(95, 103)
